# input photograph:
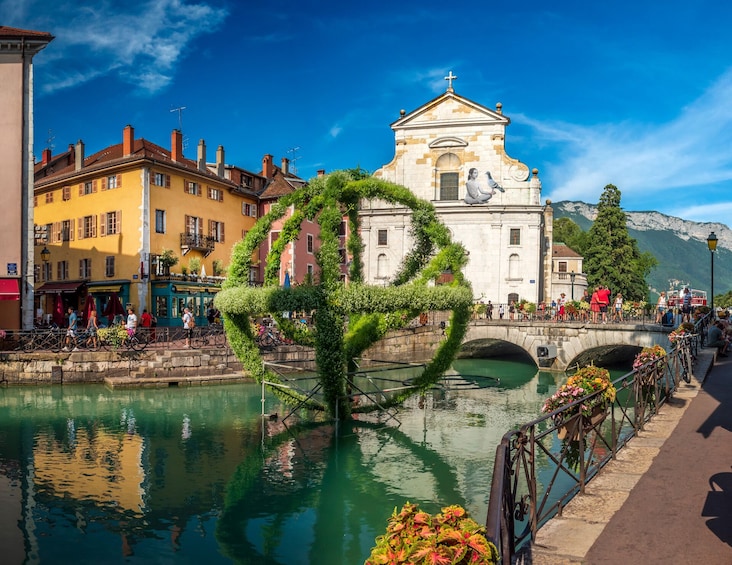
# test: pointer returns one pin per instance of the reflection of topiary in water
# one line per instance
(348, 318)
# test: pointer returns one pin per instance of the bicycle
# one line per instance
(210, 336)
(137, 341)
(42, 340)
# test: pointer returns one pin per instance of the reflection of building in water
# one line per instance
(101, 466)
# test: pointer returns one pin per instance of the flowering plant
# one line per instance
(452, 536)
(684, 330)
(648, 355)
(584, 382)
(3, 334)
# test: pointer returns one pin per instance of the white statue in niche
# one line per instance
(476, 194)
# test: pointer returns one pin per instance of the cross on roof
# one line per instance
(449, 78)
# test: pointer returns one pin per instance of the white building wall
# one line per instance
(452, 134)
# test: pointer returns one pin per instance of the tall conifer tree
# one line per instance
(612, 257)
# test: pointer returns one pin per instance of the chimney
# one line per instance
(128, 140)
(285, 165)
(70, 157)
(267, 167)
(201, 155)
(220, 161)
(79, 155)
(176, 145)
(46, 157)
(321, 172)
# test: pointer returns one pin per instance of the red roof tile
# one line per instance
(15, 33)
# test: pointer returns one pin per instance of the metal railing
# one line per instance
(536, 474)
(54, 339)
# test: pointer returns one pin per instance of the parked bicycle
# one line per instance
(41, 339)
(209, 336)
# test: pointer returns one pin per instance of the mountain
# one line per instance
(680, 246)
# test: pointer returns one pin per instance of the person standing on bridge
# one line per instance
(661, 307)
(595, 304)
(618, 317)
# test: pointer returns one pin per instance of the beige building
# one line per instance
(17, 49)
(451, 152)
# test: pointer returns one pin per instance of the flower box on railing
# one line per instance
(571, 429)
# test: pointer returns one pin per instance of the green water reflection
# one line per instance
(191, 475)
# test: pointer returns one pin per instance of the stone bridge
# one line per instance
(560, 345)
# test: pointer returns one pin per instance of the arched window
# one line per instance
(382, 265)
(513, 297)
(448, 167)
(513, 266)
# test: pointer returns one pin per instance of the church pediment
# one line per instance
(450, 109)
(443, 142)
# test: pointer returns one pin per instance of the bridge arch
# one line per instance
(574, 343)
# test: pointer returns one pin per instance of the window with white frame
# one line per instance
(159, 221)
(66, 230)
(111, 223)
(113, 181)
(310, 243)
(62, 270)
(191, 187)
(47, 271)
(216, 230)
(161, 179)
(88, 227)
(109, 266)
(216, 194)
(85, 268)
(88, 187)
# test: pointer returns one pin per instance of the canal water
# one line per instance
(196, 475)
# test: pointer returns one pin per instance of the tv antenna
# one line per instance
(49, 140)
(179, 109)
(293, 159)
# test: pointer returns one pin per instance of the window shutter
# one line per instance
(209, 192)
(94, 225)
(211, 228)
(55, 232)
(221, 195)
(104, 183)
(80, 225)
(102, 225)
(71, 230)
(167, 181)
(185, 186)
(81, 189)
(119, 181)
(200, 190)
(222, 233)
(119, 221)
(94, 185)
(81, 268)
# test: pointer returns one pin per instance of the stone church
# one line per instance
(451, 152)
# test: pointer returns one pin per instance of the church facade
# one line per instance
(451, 152)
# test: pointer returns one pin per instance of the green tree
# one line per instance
(568, 232)
(612, 257)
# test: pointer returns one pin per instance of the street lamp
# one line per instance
(712, 245)
(571, 278)
(45, 254)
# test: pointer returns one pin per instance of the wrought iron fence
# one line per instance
(536, 473)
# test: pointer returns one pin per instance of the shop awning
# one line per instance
(9, 289)
(56, 287)
(105, 289)
(191, 288)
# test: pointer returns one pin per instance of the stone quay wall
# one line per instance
(17, 368)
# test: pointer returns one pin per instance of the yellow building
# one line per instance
(103, 223)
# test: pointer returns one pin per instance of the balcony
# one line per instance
(203, 243)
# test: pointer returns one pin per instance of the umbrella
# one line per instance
(113, 308)
(58, 311)
(287, 279)
(88, 305)
(203, 271)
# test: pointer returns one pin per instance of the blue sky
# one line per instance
(637, 94)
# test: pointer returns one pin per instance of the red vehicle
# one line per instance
(675, 297)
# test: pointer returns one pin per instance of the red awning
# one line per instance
(9, 289)
(56, 287)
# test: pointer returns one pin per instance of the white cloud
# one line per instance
(141, 42)
(657, 165)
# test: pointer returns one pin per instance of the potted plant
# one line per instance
(585, 382)
(194, 265)
(683, 331)
(649, 365)
(166, 260)
(413, 536)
